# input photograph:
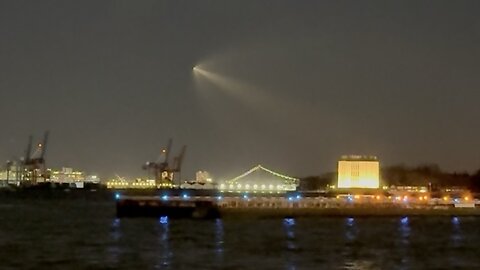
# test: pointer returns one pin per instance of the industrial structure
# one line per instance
(68, 175)
(64, 175)
(203, 177)
(355, 171)
(163, 170)
(31, 168)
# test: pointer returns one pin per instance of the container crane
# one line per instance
(162, 170)
(33, 164)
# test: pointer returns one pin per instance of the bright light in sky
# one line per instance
(241, 91)
(264, 102)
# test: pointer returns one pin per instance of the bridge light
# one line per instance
(239, 186)
(255, 186)
(263, 186)
(222, 186)
(247, 186)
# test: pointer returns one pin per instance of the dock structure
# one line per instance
(204, 207)
(174, 207)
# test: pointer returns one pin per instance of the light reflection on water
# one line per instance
(350, 230)
(351, 248)
(164, 243)
(219, 239)
(404, 231)
(457, 236)
(113, 250)
(289, 227)
(291, 245)
(63, 239)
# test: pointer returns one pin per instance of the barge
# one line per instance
(204, 207)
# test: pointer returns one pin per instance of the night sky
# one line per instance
(303, 82)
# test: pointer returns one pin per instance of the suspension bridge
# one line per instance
(260, 179)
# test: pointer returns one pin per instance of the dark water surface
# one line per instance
(75, 234)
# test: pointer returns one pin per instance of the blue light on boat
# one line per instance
(164, 197)
(185, 196)
(117, 196)
(289, 221)
(219, 198)
(299, 197)
(164, 220)
(404, 220)
(290, 198)
(245, 196)
(455, 220)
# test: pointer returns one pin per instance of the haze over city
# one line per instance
(292, 85)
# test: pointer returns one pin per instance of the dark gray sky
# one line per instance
(305, 82)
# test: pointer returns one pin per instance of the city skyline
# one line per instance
(293, 86)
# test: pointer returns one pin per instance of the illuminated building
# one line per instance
(69, 175)
(358, 172)
(203, 180)
(122, 183)
(203, 177)
(11, 175)
(65, 175)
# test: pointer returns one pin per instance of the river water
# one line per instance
(79, 234)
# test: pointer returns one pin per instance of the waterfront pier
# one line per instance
(293, 206)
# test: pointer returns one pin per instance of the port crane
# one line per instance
(33, 165)
(163, 170)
